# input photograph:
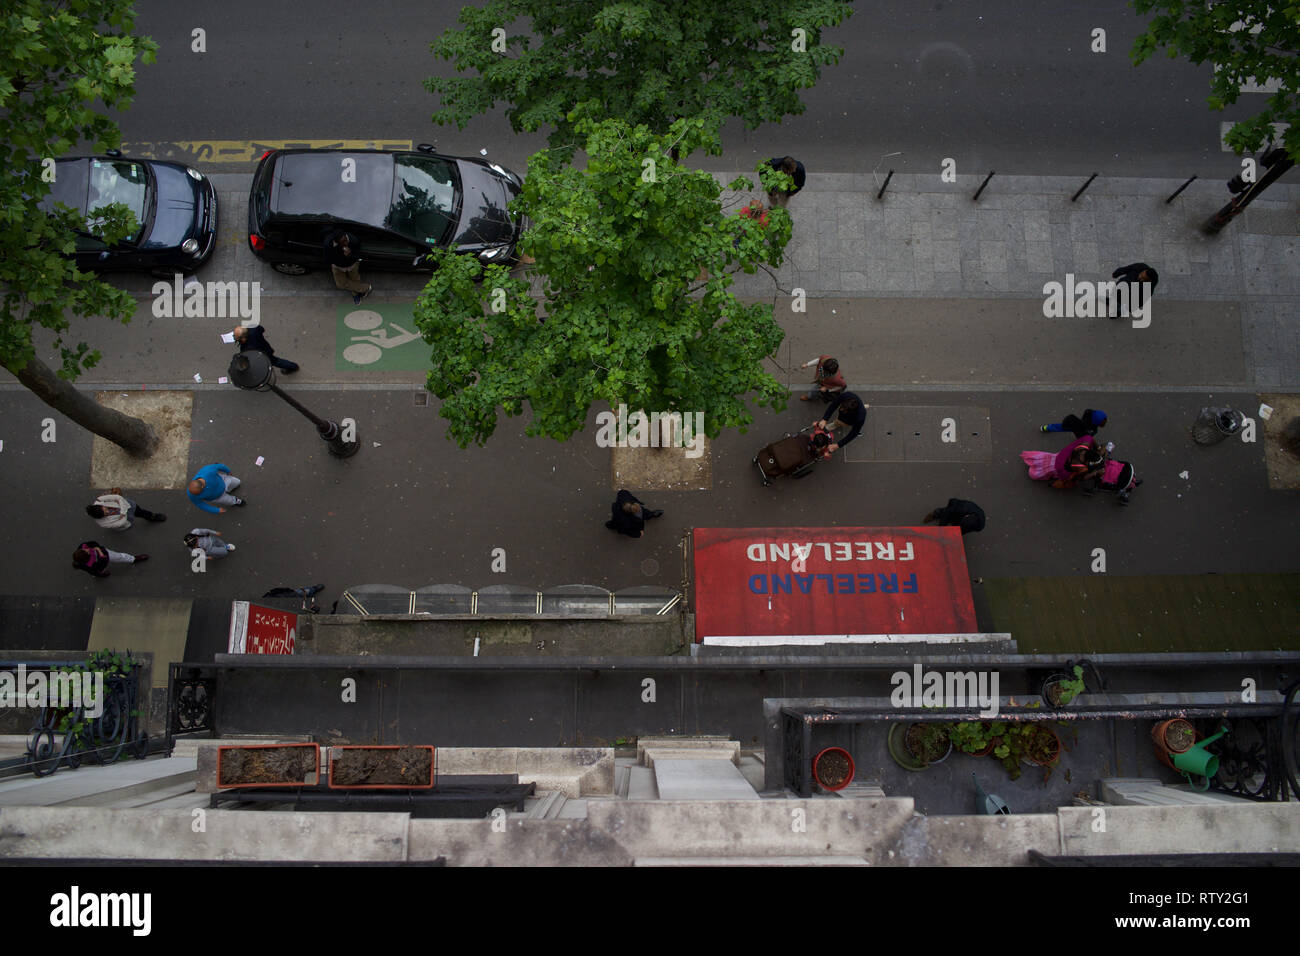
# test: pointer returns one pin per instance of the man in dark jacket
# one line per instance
(253, 339)
(849, 410)
(630, 515)
(792, 168)
(1140, 278)
(1088, 423)
(343, 253)
(966, 515)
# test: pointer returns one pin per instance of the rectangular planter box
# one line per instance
(224, 757)
(423, 783)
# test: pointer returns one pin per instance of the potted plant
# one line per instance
(382, 766)
(1029, 742)
(975, 737)
(1060, 689)
(268, 765)
(928, 742)
(833, 768)
(1174, 736)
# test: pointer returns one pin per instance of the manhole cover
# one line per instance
(421, 397)
(649, 567)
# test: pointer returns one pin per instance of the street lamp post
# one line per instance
(252, 370)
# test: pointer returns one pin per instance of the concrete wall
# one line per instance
(351, 635)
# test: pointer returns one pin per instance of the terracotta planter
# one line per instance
(1055, 748)
(833, 768)
(354, 766)
(268, 765)
(1160, 734)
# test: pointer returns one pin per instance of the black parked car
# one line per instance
(175, 205)
(399, 205)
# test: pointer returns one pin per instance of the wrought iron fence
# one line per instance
(99, 732)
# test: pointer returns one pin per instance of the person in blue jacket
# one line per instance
(212, 486)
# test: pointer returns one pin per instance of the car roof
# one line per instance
(310, 184)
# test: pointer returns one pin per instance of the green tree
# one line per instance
(1265, 44)
(633, 256)
(645, 61)
(61, 60)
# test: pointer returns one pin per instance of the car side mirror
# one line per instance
(103, 255)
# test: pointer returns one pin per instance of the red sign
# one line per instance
(261, 630)
(830, 582)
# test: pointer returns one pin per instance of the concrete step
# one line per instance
(701, 779)
(95, 786)
(642, 784)
(730, 753)
(707, 742)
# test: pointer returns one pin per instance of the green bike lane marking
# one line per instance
(379, 337)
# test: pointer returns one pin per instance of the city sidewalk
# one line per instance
(1226, 313)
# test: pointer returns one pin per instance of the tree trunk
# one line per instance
(134, 436)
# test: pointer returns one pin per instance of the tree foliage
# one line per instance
(634, 255)
(64, 64)
(1264, 44)
(645, 61)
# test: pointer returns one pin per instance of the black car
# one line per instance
(175, 205)
(399, 204)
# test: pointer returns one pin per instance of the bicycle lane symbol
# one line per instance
(379, 335)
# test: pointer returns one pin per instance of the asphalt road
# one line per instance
(1011, 86)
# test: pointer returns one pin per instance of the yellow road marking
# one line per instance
(246, 151)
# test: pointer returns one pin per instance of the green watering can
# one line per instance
(1197, 760)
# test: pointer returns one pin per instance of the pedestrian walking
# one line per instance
(211, 487)
(827, 380)
(1088, 423)
(343, 253)
(209, 542)
(792, 168)
(116, 512)
(966, 515)
(93, 558)
(630, 514)
(1078, 461)
(848, 411)
(1141, 278)
(253, 339)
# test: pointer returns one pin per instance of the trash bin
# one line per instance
(1213, 425)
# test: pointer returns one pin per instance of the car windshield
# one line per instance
(425, 199)
(117, 181)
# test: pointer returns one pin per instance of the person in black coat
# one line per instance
(1135, 275)
(253, 339)
(848, 410)
(966, 515)
(792, 168)
(630, 515)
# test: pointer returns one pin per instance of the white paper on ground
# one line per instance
(228, 338)
(223, 380)
(1265, 411)
(259, 461)
(198, 377)
(1183, 475)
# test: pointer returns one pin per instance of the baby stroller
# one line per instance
(793, 456)
(1119, 477)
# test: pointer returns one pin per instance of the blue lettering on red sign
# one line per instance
(834, 583)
